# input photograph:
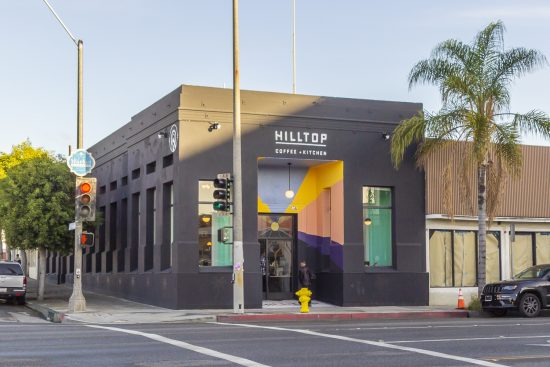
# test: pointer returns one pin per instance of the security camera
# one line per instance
(214, 126)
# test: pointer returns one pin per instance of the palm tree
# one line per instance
(474, 81)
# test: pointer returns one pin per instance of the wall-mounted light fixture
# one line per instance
(367, 221)
(386, 136)
(162, 134)
(214, 126)
(289, 194)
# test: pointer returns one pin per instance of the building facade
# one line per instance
(358, 222)
(517, 237)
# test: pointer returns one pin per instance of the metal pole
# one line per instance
(77, 302)
(294, 46)
(238, 257)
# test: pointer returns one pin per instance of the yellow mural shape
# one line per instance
(317, 178)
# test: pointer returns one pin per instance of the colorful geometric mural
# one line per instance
(318, 203)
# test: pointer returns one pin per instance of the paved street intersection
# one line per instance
(450, 342)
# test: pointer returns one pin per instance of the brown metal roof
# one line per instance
(525, 196)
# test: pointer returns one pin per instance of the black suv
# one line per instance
(528, 292)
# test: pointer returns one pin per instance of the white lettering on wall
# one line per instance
(304, 143)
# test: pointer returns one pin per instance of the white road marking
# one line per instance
(439, 326)
(178, 343)
(377, 344)
(541, 345)
(500, 337)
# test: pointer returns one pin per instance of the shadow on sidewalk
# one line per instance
(51, 290)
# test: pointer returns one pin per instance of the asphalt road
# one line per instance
(420, 343)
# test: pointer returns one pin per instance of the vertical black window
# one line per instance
(150, 228)
(121, 253)
(113, 230)
(135, 239)
(101, 241)
(167, 225)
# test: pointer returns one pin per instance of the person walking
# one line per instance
(17, 258)
(304, 275)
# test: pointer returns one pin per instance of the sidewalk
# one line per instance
(102, 309)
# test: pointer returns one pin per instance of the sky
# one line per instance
(137, 51)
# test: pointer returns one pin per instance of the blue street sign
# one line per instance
(81, 162)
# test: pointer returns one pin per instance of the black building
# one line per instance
(358, 223)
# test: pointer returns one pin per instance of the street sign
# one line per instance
(81, 162)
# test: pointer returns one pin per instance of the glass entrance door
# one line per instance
(277, 260)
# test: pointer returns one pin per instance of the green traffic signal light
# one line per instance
(221, 206)
(222, 195)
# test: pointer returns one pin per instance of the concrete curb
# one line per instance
(343, 316)
(46, 313)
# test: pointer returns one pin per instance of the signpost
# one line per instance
(81, 162)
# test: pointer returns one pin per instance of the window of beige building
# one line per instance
(528, 249)
(453, 258)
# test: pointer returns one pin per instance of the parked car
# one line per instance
(13, 282)
(528, 292)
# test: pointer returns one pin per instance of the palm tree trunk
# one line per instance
(482, 225)
(41, 272)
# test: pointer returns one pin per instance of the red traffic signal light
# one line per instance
(85, 197)
(85, 187)
(86, 239)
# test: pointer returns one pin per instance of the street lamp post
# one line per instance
(238, 256)
(77, 302)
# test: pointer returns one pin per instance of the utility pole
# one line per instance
(238, 257)
(77, 302)
(294, 46)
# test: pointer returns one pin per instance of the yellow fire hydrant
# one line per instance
(304, 295)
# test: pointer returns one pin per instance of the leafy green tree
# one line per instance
(474, 81)
(18, 154)
(36, 205)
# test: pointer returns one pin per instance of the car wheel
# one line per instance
(20, 300)
(529, 305)
(499, 313)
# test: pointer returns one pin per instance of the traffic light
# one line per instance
(86, 239)
(85, 198)
(222, 195)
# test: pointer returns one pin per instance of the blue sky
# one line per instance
(136, 51)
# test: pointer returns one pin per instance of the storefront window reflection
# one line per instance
(377, 228)
(212, 251)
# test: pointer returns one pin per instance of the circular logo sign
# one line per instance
(81, 162)
(173, 138)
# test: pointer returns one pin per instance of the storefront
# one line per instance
(318, 185)
(517, 237)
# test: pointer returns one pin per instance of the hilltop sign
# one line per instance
(81, 162)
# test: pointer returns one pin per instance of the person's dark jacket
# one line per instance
(305, 277)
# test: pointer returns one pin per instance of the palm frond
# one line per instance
(506, 147)
(515, 63)
(533, 122)
(410, 130)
